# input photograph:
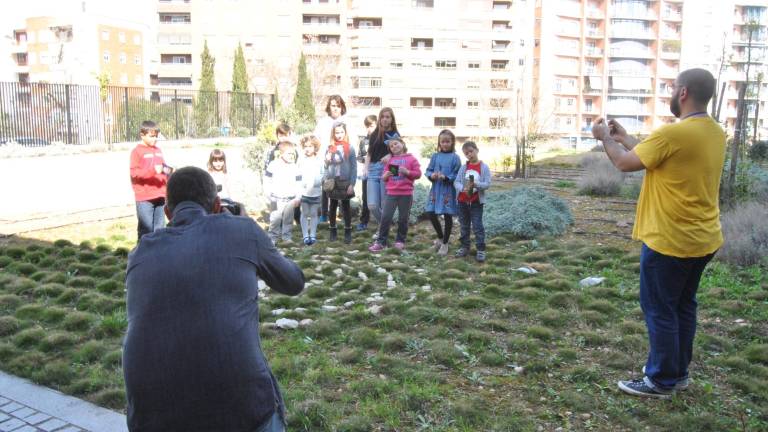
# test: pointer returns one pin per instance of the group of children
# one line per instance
(297, 180)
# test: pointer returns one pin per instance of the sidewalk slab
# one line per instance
(25, 406)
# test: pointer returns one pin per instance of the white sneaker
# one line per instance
(443, 250)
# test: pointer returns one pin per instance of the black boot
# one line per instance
(334, 233)
(348, 235)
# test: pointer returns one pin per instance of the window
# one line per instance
(499, 64)
(521, 62)
(106, 56)
(123, 58)
(137, 59)
(445, 121)
(423, 3)
(473, 65)
(445, 64)
(369, 82)
(396, 64)
(105, 35)
(473, 104)
(445, 103)
(421, 102)
(121, 37)
(497, 122)
(569, 102)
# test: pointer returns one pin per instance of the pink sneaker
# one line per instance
(399, 245)
(376, 247)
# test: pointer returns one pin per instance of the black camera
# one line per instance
(233, 207)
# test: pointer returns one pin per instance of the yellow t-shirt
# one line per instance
(678, 212)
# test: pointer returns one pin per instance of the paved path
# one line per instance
(26, 407)
(51, 191)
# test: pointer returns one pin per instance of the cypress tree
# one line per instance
(205, 104)
(302, 101)
(240, 106)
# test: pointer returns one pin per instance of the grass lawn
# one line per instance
(455, 346)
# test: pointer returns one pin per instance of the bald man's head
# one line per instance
(700, 84)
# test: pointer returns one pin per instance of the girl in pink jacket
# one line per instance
(399, 174)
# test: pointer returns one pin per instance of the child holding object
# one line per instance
(400, 172)
(473, 179)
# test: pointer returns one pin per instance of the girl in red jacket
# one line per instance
(400, 172)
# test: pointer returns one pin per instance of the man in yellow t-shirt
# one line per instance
(678, 221)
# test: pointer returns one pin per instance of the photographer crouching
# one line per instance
(192, 356)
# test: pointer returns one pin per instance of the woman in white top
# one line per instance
(336, 110)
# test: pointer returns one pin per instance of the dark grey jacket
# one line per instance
(192, 356)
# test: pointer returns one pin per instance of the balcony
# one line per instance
(175, 19)
(165, 6)
(592, 71)
(670, 55)
(570, 31)
(593, 52)
(631, 53)
(595, 34)
(568, 51)
(19, 47)
(670, 35)
(595, 13)
(631, 72)
(625, 109)
(672, 16)
(637, 14)
(175, 69)
(569, 11)
(631, 33)
(566, 90)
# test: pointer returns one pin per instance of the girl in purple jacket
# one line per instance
(400, 172)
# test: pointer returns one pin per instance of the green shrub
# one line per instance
(747, 235)
(526, 212)
(758, 151)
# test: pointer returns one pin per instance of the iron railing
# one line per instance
(37, 114)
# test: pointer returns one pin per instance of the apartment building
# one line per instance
(77, 49)
(269, 32)
(457, 64)
(613, 58)
(747, 54)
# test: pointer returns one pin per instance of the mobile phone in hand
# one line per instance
(394, 169)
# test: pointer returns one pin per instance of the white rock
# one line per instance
(519, 369)
(419, 270)
(287, 323)
(278, 311)
(362, 276)
(305, 322)
(317, 281)
(528, 270)
(353, 251)
(300, 310)
(349, 304)
(591, 281)
(319, 269)
(337, 284)
(338, 272)
(330, 308)
(411, 298)
(329, 300)
(380, 270)
(375, 309)
(426, 288)
(391, 284)
(373, 299)
(262, 285)
(389, 277)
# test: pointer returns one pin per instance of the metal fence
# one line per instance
(36, 114)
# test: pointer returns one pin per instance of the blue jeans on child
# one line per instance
(376, 192)
(471, 214)
(401, 203)
(668, 299)
(150, 215)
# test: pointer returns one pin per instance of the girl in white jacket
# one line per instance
(312, 169)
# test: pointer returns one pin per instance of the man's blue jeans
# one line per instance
(471, 215)
(151, 216)
(274, 424)
(376, 190)
(668, 288)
